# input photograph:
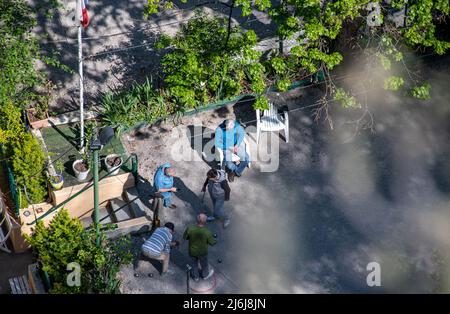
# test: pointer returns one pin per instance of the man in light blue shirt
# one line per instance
(159, 244)
(229, 137)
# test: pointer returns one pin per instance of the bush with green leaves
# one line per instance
(345, 99)
(206, 62)
(393, 83)
(25, 153)
(20, 80)
(65, 241)
(11, 124)
(125, 108)
(282, 70)
(318, 26)
(421, 91)
(28, 162)
(22, 85)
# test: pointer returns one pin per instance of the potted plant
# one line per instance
(81, 167)
(38, 117)
(56, 179)
(113, 163)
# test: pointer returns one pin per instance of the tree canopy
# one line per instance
(383, 29)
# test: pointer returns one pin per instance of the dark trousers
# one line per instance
(158, 209)
(203, 264)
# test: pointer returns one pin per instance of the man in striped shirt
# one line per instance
(159, 244)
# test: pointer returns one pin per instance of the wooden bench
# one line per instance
(20, 285)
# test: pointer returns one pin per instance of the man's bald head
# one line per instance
(201, 219)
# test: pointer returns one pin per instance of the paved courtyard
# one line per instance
(336, 202)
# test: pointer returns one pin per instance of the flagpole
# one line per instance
(80, 71)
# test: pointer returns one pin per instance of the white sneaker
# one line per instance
(226, 223)
(195, 279)
(211, 218)
(211, 272)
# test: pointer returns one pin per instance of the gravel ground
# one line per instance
(338, 200)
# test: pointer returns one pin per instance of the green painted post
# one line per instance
(47, 281)
(96, 202)
(134, 166)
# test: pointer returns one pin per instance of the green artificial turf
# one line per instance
(62, 141)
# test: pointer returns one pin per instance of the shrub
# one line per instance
(25, 153)
(141, 103)
(10, 123)
(283, 70)
(28, 162)
(422, 91)
(20, 80)
(65, 241)
(393, 83)
(207, 63)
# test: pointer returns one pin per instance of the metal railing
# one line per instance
(14, 191)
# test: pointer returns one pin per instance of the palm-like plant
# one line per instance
(141, 103)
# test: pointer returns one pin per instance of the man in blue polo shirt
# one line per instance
(159, 244)
(229, 137)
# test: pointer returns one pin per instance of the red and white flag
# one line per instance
(82, 13)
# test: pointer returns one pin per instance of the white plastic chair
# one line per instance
(272, 121)
(234, 158)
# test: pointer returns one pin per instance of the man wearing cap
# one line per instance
(158, 245)
(163, 181)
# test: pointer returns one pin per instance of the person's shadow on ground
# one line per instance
(202, 142)
(145, 190)
(187, 195)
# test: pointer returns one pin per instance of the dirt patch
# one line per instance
(149, 142)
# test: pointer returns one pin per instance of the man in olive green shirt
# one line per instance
(199, 238)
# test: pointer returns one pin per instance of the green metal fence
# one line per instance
(310, 80)
(319, 76)
(14, 191)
